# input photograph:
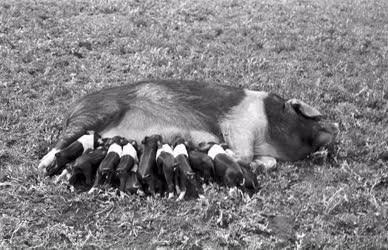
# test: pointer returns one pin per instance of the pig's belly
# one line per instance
(138, 124)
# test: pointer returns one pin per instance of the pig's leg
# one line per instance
(123, 177)
(262, 162)
(182, 187)
(169, 176)
(67, 137)
(98, 181)
(151, 185)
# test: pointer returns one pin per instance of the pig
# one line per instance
(108, 165)
(255, 124)
(202, 165)
(227, 170)
(127, 168)
(165, 161)
(185, 178)
(148, 172)
(71, 152)
(85, 167)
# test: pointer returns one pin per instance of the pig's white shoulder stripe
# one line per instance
(215, 150)
(87, 141)
(115, 148)
(168, 149)
(180, 149)
(130, 150)
(48, 158)
(164, 148)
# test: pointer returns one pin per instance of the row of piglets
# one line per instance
(176, 168)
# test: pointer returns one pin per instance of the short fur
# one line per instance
(202, 165)
(108, 166)
(85, 166)
(166, 163)
(125, 173)
(148, 172)
(184, 177)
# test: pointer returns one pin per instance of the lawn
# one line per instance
(332, 54)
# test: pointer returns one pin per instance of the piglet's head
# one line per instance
(295, 129)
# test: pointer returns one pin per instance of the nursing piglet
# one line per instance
(126, 170)
(185, 178)
(85, 167)
(108, 165)
(202, 165)
(227, 170)
(148, 172)
(71, 152)
(165, 161)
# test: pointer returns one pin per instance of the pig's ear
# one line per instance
(305, 109)
(144, 140)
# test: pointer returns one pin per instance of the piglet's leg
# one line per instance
(48, 159)
(67, 137)
(123, 177)
(99, 180)
(263, 162)
(183, 188)
(169, 176)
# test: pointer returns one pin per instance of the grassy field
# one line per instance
(332, 54)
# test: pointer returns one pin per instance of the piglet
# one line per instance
(227, 170)
(85, 166)
(127, 168)
(148, 171)
(185, 178)
(251, 185)
(71, 152)
(166, 162)
(202, 165)
(109, 163)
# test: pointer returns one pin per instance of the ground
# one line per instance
(331, 54)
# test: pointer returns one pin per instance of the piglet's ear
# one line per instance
(144, 140)
(305, 109)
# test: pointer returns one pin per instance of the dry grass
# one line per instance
(333, 54)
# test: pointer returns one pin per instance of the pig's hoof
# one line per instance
(140, 192)
(92, 190)
(53, 170)
(48, 159)
(122, 194)
(181, 196)
(170, 196)
(64, 176)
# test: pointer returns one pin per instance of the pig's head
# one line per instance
(295, 129)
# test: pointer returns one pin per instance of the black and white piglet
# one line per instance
(105, 171)
(227, 170)
(165, 161)
(69, 154)
(126, 170)
(148, 172)
(185, 178)
(85, 167)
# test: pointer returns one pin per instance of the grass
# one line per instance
(332, 54)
